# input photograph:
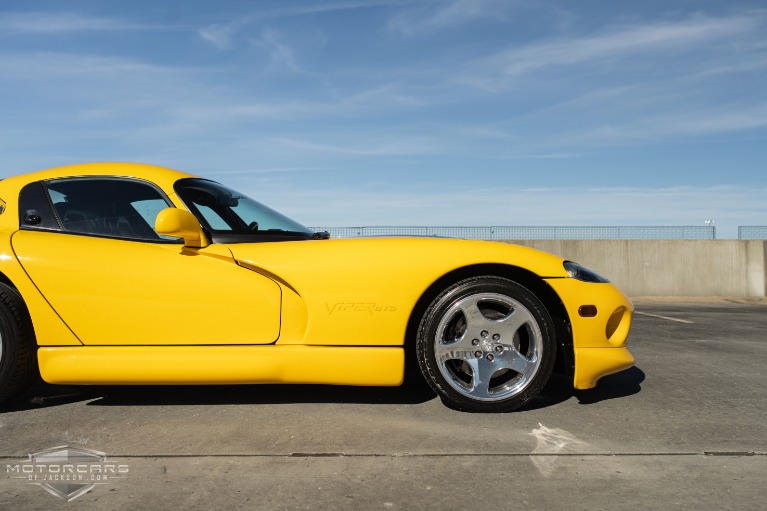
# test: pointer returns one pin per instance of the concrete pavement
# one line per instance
(683, 429)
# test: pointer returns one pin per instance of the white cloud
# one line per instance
(404, 146)
(172, 101)
(615, 44)
(674, 121)
(712, 120)
(223, 35)
(220, 36)
(49, 65)
(434, 16)
(631, 84)
(42, 23)
(279, 51)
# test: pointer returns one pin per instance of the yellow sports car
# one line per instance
(125, 274)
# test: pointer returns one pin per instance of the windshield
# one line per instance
(226, 212)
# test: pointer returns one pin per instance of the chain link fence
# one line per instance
(501, 233)
(752, 232)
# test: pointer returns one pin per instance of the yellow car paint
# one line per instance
(307, 296)
(179, 223)
(593, 363)
(592, 332)
(599, 342)
(341, 311)
(122, 292)
(49, 328)
(189, 365)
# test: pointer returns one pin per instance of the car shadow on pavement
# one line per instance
(413, 391)
(614, 386)
(264, 394)
(559, 389)
(43, 395)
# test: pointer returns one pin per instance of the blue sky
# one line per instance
(444, 112)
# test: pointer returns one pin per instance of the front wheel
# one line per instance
(486, 344)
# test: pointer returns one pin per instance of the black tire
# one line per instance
(18, 355)
(486, 344)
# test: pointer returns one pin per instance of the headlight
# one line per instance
(578, 272)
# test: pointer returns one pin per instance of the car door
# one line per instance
(90, 247)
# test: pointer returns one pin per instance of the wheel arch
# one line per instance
(47, 327)
(4, 279)
(565, 358)
(8, 282)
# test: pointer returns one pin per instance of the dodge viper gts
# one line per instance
(130, 274)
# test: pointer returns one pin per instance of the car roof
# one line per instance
(163, 176)
(11, 186)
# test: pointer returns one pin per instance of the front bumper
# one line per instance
(593, 363)
(599, 340)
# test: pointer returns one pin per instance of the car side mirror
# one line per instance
(180, 223)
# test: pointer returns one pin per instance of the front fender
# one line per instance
(363, 291)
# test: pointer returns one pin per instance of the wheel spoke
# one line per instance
(509, 325)
(463, 349)
(482, 372)
(475, 320)
(459, 350)
(512, 359)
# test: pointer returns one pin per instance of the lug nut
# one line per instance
(475, 342)
(484, 333)
(496, 337)
(499, 349)
(478, 354)
(490, 357)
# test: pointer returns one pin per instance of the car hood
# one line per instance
(422, 258)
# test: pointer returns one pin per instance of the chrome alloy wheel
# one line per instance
(487, 346)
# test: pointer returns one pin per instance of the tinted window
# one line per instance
(224, 211)
(120, 208)
(35, 209)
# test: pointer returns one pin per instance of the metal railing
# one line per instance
(500, 233)
(752, 232)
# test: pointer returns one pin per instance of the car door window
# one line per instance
(35, 210)
(109, 207)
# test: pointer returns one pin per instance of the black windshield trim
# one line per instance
(235, 236)
(260, 238)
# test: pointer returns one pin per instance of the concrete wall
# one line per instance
(676, 268)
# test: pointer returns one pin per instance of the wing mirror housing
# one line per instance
(180, 223)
